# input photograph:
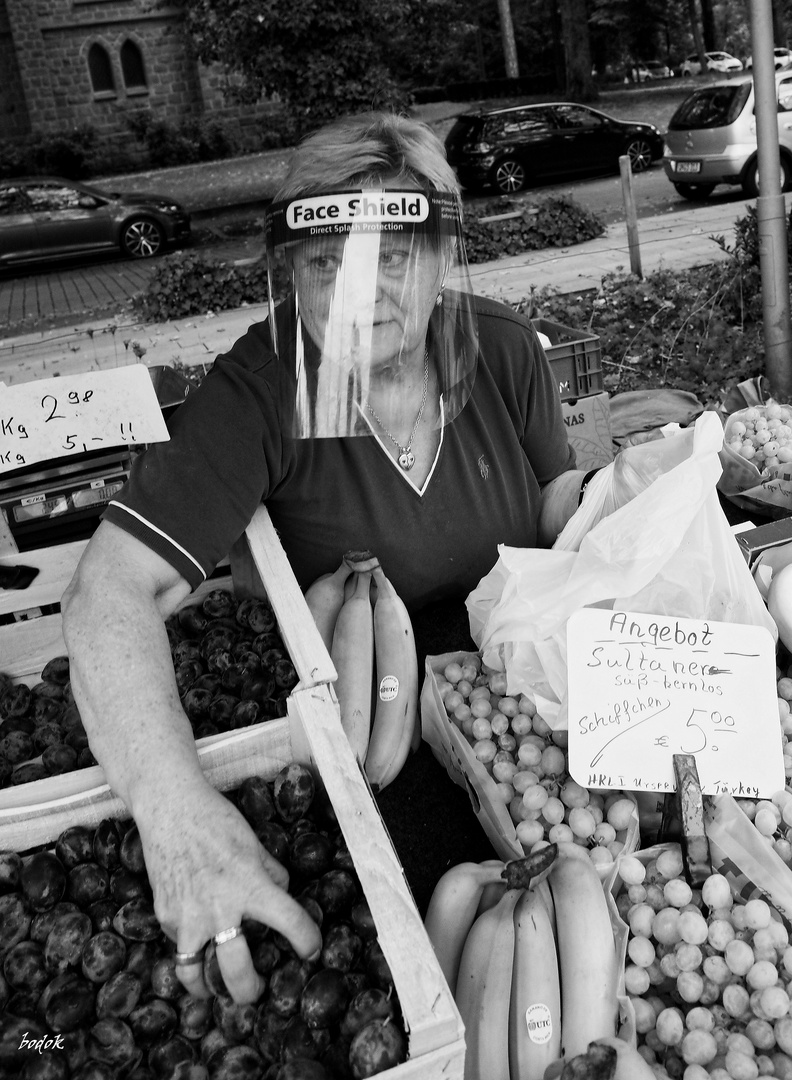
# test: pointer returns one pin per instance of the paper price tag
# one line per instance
(53, 418)
(645, 687)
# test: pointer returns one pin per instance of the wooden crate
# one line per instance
(36, 813)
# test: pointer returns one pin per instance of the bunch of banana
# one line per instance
(366, 628)
(532, 966)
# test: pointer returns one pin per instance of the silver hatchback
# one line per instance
(711, 138)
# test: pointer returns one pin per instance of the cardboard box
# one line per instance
(589, 430)
(764, 538)
(35, 814)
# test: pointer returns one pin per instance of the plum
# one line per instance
(10, 865)
(16, 747)
(131, 851)
(376, 966)
(102, 913)
(56, 670)
(153, 1021)
(24, 967)
(16, 701)
(217, 639)
(219, 604)
(245, 714)
(47, 734)
(311, 854)
(185, 651)
(302, 1041)
(254, 799)
(87, 883)
(235, 1021)
(268, 1033)
(235, 1063)
(366, 1005)
(103, 955)
(257, 686)
(192, 619)
(43, 922)
(13, 1032)
(126, 885)
(186, 673)
(265, 955)
(165, 982)
(286, 986)
(341, 947)
(196, 703)
(136, 920)
(14, 920)
(275, 839)
(65, 942)
(140, 961)
(378, 1045)
(59, 758)
(293, 791)
(42, 880)
(46, 1066)
(336, 891)
(67, 1002)
(163, 1058)
(118, 996)
(107, 844)
(218, 661)
(195, 1016)
(362, 920)
(28, 772)
(324, 999)
(285, 674)
(221, 711)
(46, 710)
(302, 1069)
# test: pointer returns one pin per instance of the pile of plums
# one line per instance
(89, 988)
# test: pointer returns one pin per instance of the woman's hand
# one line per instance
(605, 1059)
(209, 872)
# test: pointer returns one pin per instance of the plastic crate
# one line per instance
(575, 357)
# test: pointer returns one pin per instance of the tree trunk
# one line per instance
(708, 26)
(695, 29)
(507, 36)
(779, 24)
(580, 84)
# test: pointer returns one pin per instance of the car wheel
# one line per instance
(509, 176)
(750, 180)
(640, 154)
(141, 238)
(694, 192)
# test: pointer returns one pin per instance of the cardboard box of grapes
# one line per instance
(43, 748)
(514, 767)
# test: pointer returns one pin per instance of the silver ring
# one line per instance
(183, 959)
(227, 935)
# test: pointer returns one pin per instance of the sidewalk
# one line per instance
(677, 241)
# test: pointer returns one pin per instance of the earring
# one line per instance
(439, 299)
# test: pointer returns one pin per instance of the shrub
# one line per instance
(555, 222)
(180, 144)
(70, 155)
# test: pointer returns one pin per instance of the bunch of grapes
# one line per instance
(709, 978)
(762, 434)
(528, 763)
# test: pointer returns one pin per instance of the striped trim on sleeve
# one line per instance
(136, 525)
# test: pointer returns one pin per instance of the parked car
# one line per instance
(781, 57)
(716, 61)
(711, 138)
(513, 147)
(657, 69)
(45, 217)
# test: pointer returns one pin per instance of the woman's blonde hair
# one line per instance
(362, 150)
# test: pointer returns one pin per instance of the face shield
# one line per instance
(378, 288)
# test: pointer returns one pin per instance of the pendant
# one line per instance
(406, 459)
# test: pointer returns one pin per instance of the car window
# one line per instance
(573, 116)
(53, 197)
(785, 95)
(13, 201)
(710, 107)
(521, 125)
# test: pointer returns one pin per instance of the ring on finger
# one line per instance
(185, 959)
(227, 935)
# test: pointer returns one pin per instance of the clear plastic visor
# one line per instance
(379, 306)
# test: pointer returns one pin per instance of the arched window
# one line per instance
(100, 70)
(132, 66)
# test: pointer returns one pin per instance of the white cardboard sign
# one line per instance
(53, 418)
(645, 687)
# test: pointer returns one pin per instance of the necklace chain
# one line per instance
(406, 458)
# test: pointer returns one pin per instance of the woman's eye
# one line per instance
(392, 260)
(325, 262)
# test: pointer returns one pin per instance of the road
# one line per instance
(103, 286)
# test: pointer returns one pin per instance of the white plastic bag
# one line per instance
(667, 550)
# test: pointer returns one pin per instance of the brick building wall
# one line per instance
(68, 63)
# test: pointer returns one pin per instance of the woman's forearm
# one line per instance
(560, 500)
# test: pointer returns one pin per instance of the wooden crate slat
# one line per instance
(298, 630)
(25, 647)
(55, 565)
(429, 1010)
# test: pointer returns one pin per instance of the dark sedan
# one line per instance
(47, 217)
(509, 149)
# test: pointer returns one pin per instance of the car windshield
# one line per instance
(464, 130)
(710, 107)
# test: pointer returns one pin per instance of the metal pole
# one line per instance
(631, 215)
(770, 208)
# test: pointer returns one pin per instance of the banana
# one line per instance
(325, 598)
(586, 951)
(352, 653)
(535, 1005)
(484, 989)
(396, 705)
(453, 909)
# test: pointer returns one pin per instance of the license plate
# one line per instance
(687, 166)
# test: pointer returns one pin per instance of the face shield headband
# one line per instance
(378, 288)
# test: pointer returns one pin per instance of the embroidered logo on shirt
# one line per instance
(483, 467)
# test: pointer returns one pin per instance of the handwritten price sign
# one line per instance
(53, 418)
(645, 687)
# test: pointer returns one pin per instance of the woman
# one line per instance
(381, 405)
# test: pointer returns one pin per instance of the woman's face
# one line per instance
(367, 296)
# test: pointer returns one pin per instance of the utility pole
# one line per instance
(507, 36)
(770, 209)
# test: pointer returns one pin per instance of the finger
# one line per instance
(271, 905)
(277, 871)
(190, 973)
(242, 981)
